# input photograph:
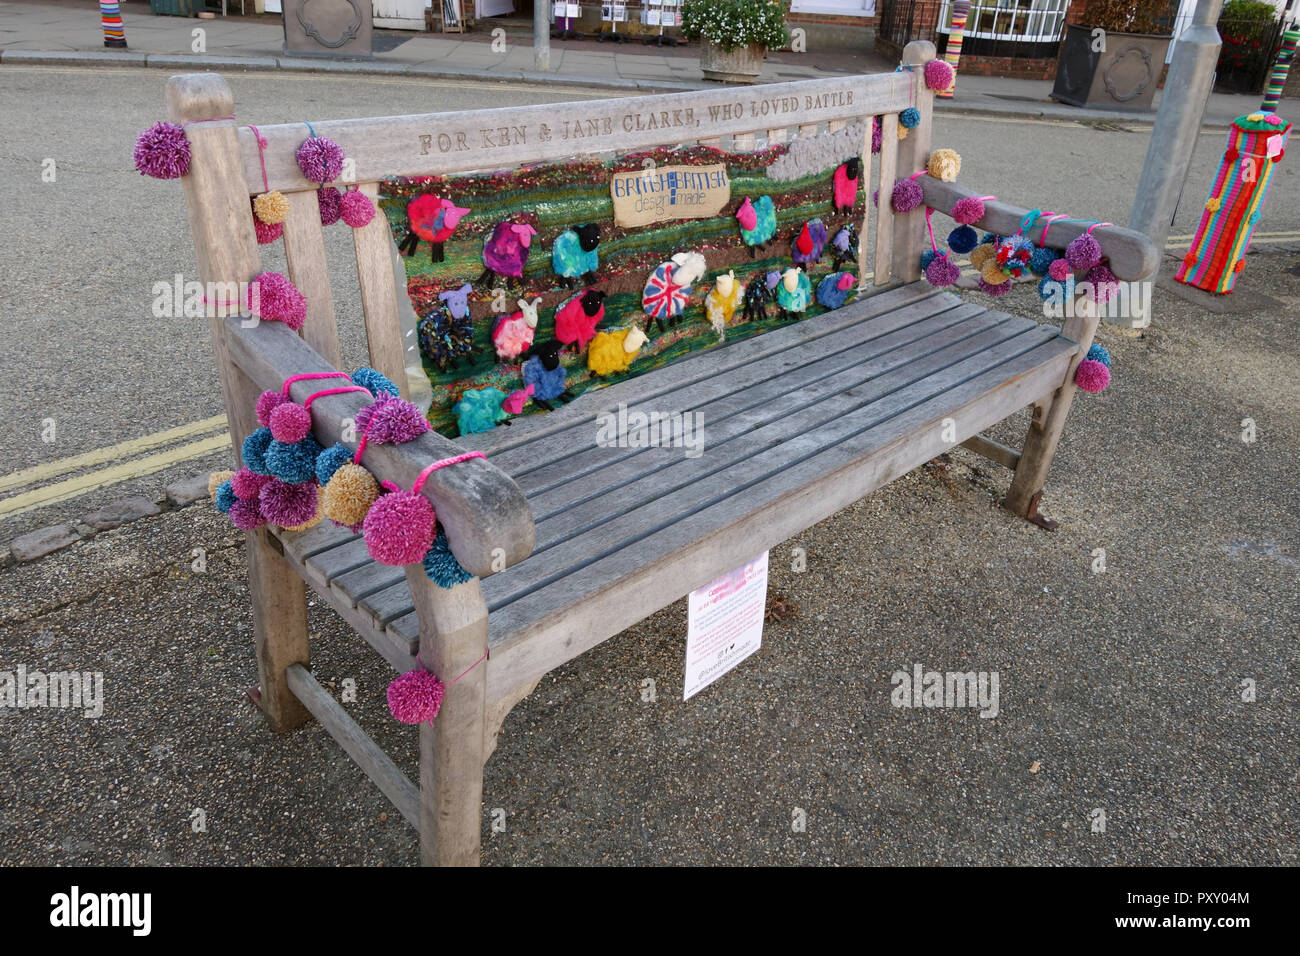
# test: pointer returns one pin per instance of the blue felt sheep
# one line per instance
(834, 290)
(757, 223)
(543, 371)
(576, 254)
(793, 293)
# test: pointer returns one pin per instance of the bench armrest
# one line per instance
(1132, 254)
(487, 519)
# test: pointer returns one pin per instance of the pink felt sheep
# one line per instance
(845, 182)
(506, 251)
(432, 219)
(576, 320)
(513, 334)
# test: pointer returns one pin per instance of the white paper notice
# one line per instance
(725, 624)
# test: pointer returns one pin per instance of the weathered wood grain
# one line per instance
(883, 261)
(910, 237)
(304, 248)
(375, 251)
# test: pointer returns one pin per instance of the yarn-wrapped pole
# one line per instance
(1281, 67)
(952, 52)
(110, 19)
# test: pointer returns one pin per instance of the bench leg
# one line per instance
(279, 629)
(453, 639)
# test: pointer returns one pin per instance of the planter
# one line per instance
(741, 65)
(1122, 77)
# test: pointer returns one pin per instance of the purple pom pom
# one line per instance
(942, 271)
(1083, 253)
(320, 159)
(288, 505)
(330, 201)
(877, 134)
(245, 514)
(358, 210)
(274, 298)
(968, 209)
(268, 402)
(162, 151)
(248, 484)
(416, 696)
(907, 195)
(1002, 288)
(391, 420)
(1092, 376)
(399, 528)
(1104, 284)
(939, 75)
(290, 423)
(1059, 270)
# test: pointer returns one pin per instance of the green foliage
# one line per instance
(736, 23)
(1126, 16)
(1248, 10)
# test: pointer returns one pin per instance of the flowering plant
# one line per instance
(736, 23)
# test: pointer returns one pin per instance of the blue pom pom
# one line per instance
(253, 451)
(989, 237)
(1098, 353)
(910, 117)
(927, 257)
(962, 240)
(375, 381)
(225, 497)
(441, 565)
(1041, 260)
(1049, 287)
(331, 460)
(295, 463)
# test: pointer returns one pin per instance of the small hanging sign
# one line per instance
(662, 193)
(725, 624)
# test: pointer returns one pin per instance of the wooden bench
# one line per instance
(572, 542)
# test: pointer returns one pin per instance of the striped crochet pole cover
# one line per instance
(1281, 67)
(110, 18)
(1255, 145)
(952, 52)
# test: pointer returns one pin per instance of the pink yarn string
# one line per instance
(930, 226)
(924, 172)
(361, 449)
(1051, 218)
(307, 376)
(1096, 224)
(261, 157)
(430, 469)
(986, 198)
(334, 391)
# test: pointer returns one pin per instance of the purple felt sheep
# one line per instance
(506, 251)
(807, 247)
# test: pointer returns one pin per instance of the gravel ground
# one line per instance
(1120, 691)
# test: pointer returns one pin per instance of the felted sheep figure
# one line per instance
(613, 352)
(506, 251)
(512, 335)
(575, 253)
(479, 410)
(835, 290)
(757, 223)
(432, 219)
(844, 192)
(544, 373)
(446, 339)
(457, 300)
(668, 288)
(808, 245)
(756, 298)
(844, 246)
(794, 293)
(576, 320)
(720, 304)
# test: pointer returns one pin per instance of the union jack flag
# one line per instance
(662, 298)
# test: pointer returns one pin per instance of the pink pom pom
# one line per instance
(1059, 270)
(162, 151)
(288, 505)
(1092, 376)
(391, 420)
(1084, 252)
(415, 697)
(320, 159)
(330, 201)
(268, 402)
(290, 423)
(267, 234)
(274, 298)
(939, 75)
(247, 484)
(358, 210)
(399, 528)
(1104, 284)
(942, 271)
(246, 514)
(1002, 288)
(907, 195)
(968, 209)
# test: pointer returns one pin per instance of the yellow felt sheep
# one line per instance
(611, 352)
(721, 302)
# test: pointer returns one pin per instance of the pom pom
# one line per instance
(415, 697)
(398, 528)
(268, 402)
(875, 198)
(320, 159)
(926, 258)
(994, 290)
(357, 209)
(1092, 376)
(272, 208)
(331, 460)
(968, 209)
(902, 132)
(1083, 253)
(944, 164)
(247, 483)
(907, 195)
(285, 504)
(962, 239)
(391, 420)
(253, 451)
(940, 76)
(267, 233)
(942, 272)
(988, 237)
(1049, 288)
(1104, 284)
(374, 382)
(1098, 353)
(877, 133)
(1013, 255)
(216, 480)
(993, 274)
(273, 297)
(293, 462)
(1231, 156)
(910, 118)
(980, 255)
(441, 565)
(1059, 270)
(350, 493)
(289, 422)
(246, 514)
(313, 520)
(331, 207)
(224, 497)
(162, 151)
(1041, 260)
